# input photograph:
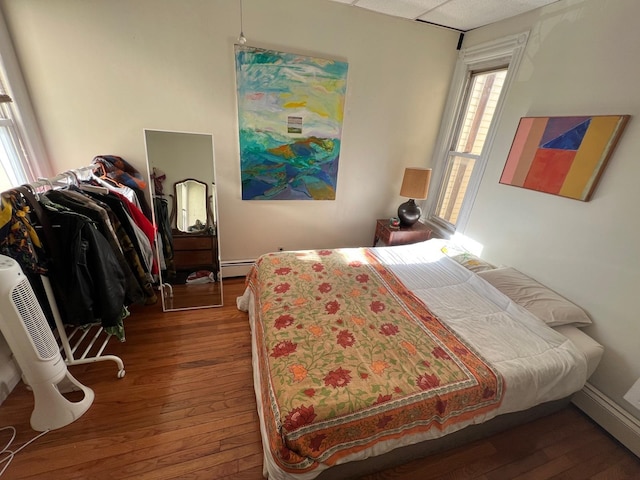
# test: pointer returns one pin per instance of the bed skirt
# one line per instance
(469, 434)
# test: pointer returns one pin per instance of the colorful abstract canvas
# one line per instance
(290, 110)
(562, 155)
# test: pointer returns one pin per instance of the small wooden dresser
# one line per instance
(195, 251)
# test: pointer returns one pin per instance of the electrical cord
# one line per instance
(9, 453)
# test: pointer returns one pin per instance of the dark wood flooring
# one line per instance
(186, 410)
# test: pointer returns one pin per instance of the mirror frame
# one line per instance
(167, 290)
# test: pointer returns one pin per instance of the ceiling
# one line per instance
(462, 15)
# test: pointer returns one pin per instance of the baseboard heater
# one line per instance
(609, 416)
(238, 263)
(236, 268)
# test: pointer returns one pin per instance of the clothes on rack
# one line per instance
(164, 240)
(135, 251)
(106, 222)
(118, 169)
(165, 243)
(94, 244)
(18, 238)
(158, 177)
(124, 182)
(94, 283)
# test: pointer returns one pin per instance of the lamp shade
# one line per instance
(415, 183)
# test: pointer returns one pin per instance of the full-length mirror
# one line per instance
(183, 190)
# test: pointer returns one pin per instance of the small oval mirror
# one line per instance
(191, 206)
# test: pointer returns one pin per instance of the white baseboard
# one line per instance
(606, 413)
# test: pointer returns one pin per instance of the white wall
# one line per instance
(581, 59)
(99, 71)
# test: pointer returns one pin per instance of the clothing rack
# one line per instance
(82, 344)
(93, 334)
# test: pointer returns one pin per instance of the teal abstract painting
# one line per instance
(290, 110)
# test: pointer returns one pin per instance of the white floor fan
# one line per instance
(36, 351)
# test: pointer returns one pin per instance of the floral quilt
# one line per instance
(348, 357)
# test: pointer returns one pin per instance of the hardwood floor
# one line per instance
(194, 295)
(186, 409)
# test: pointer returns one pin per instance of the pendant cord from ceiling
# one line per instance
(241, 39)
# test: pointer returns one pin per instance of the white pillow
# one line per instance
(544, 303)
(473, 263)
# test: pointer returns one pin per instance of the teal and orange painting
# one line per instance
(290, 111)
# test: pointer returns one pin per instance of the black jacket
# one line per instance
(86, 273)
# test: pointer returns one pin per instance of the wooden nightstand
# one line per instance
(387, 236)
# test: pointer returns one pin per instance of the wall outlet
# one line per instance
(633, 395)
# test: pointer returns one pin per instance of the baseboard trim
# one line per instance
(606, 413)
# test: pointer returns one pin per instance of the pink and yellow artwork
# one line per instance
(562, 155)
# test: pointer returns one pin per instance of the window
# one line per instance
(22, 157)
(482, 98)
(480, 83)
(12, 155)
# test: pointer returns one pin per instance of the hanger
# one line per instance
(30, 189)
(71, 175)
(47, 181)
(93, 188)
(84, 185)
(106, 178)
(99, 170)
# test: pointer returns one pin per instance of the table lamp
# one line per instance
(415, 185)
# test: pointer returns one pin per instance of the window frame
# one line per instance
(35, 161)
(486, 56)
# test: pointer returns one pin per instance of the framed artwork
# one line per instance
(290, 110)
(562, 155)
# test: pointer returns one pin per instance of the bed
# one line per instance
(370, 353)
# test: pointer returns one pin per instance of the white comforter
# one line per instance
(537, 363)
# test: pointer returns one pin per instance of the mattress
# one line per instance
(591, 349)
(538, 364)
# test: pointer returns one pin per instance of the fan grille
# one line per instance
(31, 314)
